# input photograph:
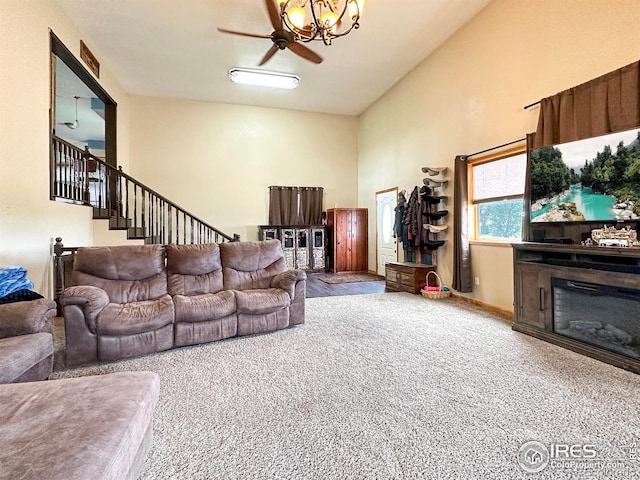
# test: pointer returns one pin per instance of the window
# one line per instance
(496, 197)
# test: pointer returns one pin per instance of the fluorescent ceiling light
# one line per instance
(264, 78)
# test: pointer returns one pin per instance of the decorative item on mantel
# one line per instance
(612, 237)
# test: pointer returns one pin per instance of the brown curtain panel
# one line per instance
(275, 216)
(295, 205)
(527, 234)
(311, 205)
(610, 103)
(283, 206)
(462, 277)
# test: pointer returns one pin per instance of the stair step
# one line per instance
(102, 213)
(152, 240)
(136, 233)
(119, 223)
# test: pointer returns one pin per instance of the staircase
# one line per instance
(79, 177)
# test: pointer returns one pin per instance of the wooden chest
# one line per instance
(406, 277)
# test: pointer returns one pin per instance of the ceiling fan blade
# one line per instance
(274, 15)
(244, 34)
(304, 52)
(268, 55)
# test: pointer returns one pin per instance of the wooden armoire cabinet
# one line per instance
(347, 229)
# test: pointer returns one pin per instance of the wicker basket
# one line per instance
(435, 294)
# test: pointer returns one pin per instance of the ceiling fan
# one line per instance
(75, 124)
(280, 37)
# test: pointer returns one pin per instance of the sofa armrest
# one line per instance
(287, 281)
(22, 318)
(89, 298)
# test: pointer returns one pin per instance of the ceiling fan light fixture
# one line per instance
(328, 19)
(355, 8)
(264, 78)
(296, 16)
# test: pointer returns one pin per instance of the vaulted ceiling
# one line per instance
(172, 48)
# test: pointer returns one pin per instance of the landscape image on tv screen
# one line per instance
(596, 179)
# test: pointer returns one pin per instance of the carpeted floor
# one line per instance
(388, 386)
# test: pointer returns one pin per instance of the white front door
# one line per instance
(386, 243)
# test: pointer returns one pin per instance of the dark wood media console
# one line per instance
(582, 298)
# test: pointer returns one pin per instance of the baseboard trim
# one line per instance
(486, 306)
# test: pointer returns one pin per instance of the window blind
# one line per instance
(499, 179)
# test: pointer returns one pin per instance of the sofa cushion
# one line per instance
(200, 308)
(78, 428)
(194, 269)
(128, 273)
(115, 347)
(251, 265)
(135, 317)
(249, 324)
(19, 354)
(262, 301)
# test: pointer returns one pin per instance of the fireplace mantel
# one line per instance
(538, 265)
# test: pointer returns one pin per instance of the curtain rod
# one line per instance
(284, 187)
(496, 148)
(532, 104)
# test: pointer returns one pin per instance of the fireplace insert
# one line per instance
(605, 316)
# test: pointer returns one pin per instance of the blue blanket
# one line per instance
(13, 279)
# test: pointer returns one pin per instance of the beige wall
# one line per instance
(28, 219)
(465, 97)
(217, 161)
(469, 95)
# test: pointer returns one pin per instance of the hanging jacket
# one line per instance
(397, 225)
(411, 213)
(400, 229)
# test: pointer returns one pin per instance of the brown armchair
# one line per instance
(120, 306)
(26, 340)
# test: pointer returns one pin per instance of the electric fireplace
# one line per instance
(601, 315)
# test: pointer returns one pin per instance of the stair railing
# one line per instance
(77, 176)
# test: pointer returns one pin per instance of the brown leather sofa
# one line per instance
(137, 299)
(26, 340)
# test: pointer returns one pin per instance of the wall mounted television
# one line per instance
(596, 179)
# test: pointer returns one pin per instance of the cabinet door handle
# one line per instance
(541, 293)
(582, 286)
